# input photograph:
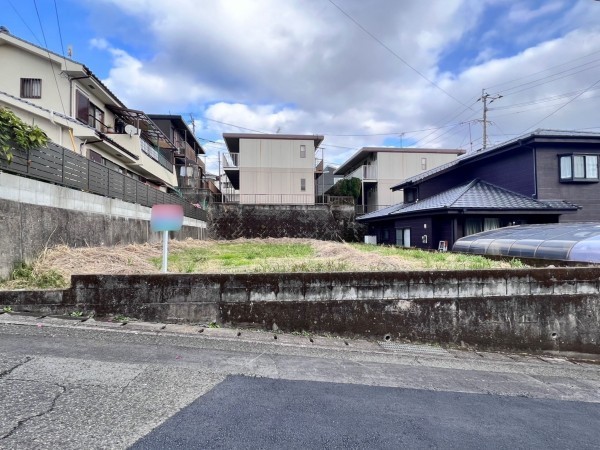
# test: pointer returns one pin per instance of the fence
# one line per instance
(281, 199)
(61, 166)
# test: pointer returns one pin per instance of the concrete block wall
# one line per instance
(35, 215)
(327, 222)
(531, 309)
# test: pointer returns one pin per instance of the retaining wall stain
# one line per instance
(532, 309)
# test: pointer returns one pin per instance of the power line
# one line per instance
(380, 42)
(24, 22)
(544, 70)
(62, 46)
(49, 57)
(561, 107)
(548, 79)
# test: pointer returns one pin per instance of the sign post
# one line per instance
(166, 218)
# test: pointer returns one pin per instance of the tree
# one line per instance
(348, 187)
(16, 134)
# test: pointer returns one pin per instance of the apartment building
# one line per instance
(380, 168)
(270, 168)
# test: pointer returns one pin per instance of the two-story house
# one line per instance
(189, 166)
(77, 111)
(271, 168)
(546, 176)
(379, 168)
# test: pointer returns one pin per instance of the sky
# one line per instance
(403, 73)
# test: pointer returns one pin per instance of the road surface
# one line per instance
(70, 384)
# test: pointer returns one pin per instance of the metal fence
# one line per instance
(63, 167)
(281, 199)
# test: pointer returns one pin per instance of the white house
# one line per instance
(77, 111)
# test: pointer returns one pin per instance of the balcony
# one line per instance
(230, 160)
(368, 172)
(184, 150)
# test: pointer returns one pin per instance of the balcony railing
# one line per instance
(282, 199)
(230, 160)
(368, 173)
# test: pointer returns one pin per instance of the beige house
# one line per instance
(77, 111)
(380, 168)
(270, 168)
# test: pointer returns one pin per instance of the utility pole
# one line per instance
(484, 98)
(193, 123)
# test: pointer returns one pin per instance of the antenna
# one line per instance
(70, 51)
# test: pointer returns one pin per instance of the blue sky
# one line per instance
(361, 72)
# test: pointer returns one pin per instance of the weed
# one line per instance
(7, 309)
(516, 263)
(121, 318)
(214, 325)
(25, 276)
(76, 313)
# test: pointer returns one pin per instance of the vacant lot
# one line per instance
(55, 266)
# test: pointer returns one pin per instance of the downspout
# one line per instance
(535, 195)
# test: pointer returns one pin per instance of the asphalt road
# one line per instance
(65, 384)
(243, 412)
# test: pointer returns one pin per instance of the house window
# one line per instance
(31, 88)
(477, 225)
(303, 151)
(410, 195)
(96, 157)
(423, 163)
(82, 107)
(403, 237)
(89, 113)
(303, 184)
(578, 168)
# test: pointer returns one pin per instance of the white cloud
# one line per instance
(301, 66)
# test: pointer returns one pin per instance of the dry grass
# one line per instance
(136, 258)
(323, 256)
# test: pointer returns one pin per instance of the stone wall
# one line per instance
(35, 215)
(326, 222)
(529, 309)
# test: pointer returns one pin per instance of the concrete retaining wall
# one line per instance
(327, 222)
(533, 309)
(35, 215)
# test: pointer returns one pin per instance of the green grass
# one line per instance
(231, 256)
(25, 277)
(437, 260)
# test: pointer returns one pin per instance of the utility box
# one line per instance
(371, 240)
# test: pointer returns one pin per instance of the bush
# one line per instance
(16, 133)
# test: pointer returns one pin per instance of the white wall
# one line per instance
(271, 171)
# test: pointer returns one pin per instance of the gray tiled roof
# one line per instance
(467, 157)
(475, 195)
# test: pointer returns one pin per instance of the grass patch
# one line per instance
(437, 260)
(25, 276)
(234, 256)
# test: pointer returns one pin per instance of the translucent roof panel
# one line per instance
(558, 241)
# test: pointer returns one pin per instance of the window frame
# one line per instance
(303, 184)
(30, 88)
(302, 151)
(570, 177)
(411, 194)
